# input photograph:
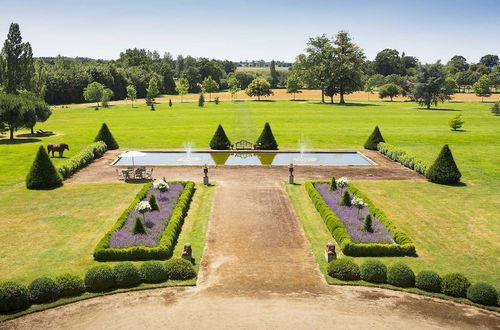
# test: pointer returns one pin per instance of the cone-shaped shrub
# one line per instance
(43, 174)
(374, 139)
(444, 170)
(367, 226)
(333, 184)
(139, 227)
(346, 199)
(220, 141)
(170, 102)
(201, 100)
(105, 136)
(153, 203)
(266, 140)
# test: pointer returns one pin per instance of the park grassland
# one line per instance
(454, 228)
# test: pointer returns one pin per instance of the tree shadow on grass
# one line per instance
(350, 104)
(263, 101)
(437, 109)
(18, 141)
(459, 130)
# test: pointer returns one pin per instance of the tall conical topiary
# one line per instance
(106, 136)
(153, 203)
(43, 174)
(139, 227)
(266, 140)
(374, 139)
(346, 199)
(201, 100)
(444, 170)
(220, 141)
(367, 226)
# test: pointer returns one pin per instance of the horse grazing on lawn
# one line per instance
(57, 147)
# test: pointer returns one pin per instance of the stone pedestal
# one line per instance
(330, 252)
(187, 252)
(291, 179)
(205, 181)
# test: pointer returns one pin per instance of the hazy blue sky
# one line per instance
(239, 30)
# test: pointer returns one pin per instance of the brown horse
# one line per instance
(57, 147)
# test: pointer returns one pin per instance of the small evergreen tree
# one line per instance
(170, 102)
(333, 184)
(220, 141)
(201, 100)
(216, 100)
(346, 199)
(139, 227)
(456, 122)
(266, 140)
(105, 136)
(444, 170)
(495, 109)
(374, 139)
(153, 203)
(43, 174)
(367, 226)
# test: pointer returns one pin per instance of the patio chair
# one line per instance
(149, 173)
(119, 174)
(42, 132)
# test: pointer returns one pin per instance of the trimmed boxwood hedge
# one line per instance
(482, 293)
(373, 271)
(43, 290)
(70, 285)
(100, 278)
(399, 274)
(344, 269)
(428, 280)
(403, 246)
(455, 285)
(82, 159)
(179, 269)
(402, 157)
(13, 297)
(153, 271)
(169, 237)
(126, 275)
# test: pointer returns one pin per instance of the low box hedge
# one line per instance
(165, 247)
(402, 157)
(82, 159)
(403, 246)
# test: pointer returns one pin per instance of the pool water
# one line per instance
(246, 158)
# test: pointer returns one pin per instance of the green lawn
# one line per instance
(454, 228)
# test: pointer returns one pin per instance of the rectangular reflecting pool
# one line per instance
(172, 158)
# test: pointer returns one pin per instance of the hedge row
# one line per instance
(82, 159)
(402, 157)
(165, 247)
(401, 275)
(404, 246)
(101, 278)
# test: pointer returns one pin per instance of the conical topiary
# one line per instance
(333, 184)
(106, 136)
(201, 100)
(374, 139)
(139, 227)
(367, 226)
(346, 199)
(43, 174)
(153, 203)
(266, 140)
(220, 141)
(170, 102)
(444, 170)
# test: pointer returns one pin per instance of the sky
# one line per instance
(252, 30)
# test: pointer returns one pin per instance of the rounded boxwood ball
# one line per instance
(43, 290)
(13, 297)
(373, 271)
(100, 278)
(344, 269)
(428, 280)
(455, 285)
(127, 275)
(179, 269)
(400, 275)
(153, 272)
(482, 293)
(70, 285)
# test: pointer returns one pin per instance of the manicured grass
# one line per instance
(454, 228)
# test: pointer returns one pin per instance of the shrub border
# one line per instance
(82, 159)
(167, 242)
(403, 246)
(399, 155)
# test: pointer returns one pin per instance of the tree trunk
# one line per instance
(322, 94)
(32, 130)
(342, 101)
(428, 106)
(391, 98)
(294, 96)
(258, 97)
(331, 99)
(11, 128)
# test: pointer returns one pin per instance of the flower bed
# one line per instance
(161, 227)
(386, 239)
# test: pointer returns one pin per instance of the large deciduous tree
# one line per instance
(210, 86)
(16, 62)
(93, 93)
(11, 112)
(430, 85)
(489, 60)
(387, 62)
(482, 87)
(234, 88)
(293, 85)
(389, 90)
(275, 77)
(259, 87)
(152, 92)
(182, 87)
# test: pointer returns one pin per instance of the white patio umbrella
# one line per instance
(132, 154)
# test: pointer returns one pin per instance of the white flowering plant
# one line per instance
(342, 183)
(358, 203)
(143, 207)
(161, 185)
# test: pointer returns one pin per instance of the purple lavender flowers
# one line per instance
(156, 221)
(351, 220)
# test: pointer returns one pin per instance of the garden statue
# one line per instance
(290, 177)
(57, 147)
(187, 252)
(205, 178)
(330, 252)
